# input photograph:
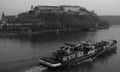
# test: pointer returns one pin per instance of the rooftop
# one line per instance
(69, 6)
(8, 17)
(48, 6)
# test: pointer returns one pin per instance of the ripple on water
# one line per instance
(36, 69)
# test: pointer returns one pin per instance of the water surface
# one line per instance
(20, 52)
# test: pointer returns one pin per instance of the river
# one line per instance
(18, 53)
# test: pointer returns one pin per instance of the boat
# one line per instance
(74, 53)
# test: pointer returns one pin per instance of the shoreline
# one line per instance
(5, 33)
(37, 32)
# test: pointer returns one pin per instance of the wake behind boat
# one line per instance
(81, 52)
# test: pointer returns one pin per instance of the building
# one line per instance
(69, 8)
(83, 13)
(47, 9)
(8, 17)
(43, 7)
(74, 10)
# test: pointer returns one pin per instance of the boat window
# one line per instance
(79, 54)
(64, 58)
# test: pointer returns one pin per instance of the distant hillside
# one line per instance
(47, 18)
(113, 20)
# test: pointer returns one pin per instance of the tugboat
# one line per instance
(81, 52)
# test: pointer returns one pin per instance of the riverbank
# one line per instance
(51, 22)
(37, 32)
(49, 19)
(30, 32)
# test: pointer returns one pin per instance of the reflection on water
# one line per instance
(52, 37)
(84, 67)
(105, 56)
(19, 52)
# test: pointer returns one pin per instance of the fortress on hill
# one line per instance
(44, 9)
(59, 9)
(51, 18)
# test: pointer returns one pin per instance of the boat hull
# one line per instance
(70, 62)
(48, 64)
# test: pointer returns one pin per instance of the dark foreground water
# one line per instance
(18, 53)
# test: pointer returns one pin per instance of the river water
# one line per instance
(21, 52)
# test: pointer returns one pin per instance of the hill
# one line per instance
(113, 20)
(47, 18)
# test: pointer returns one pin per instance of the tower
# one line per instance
(3, 15)
(32, 7)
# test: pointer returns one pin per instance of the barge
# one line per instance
(79, 53)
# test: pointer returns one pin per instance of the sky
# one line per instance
(101, 7)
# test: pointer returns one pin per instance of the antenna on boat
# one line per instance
(81, 41)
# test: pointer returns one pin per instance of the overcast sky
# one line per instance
(101, 7)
